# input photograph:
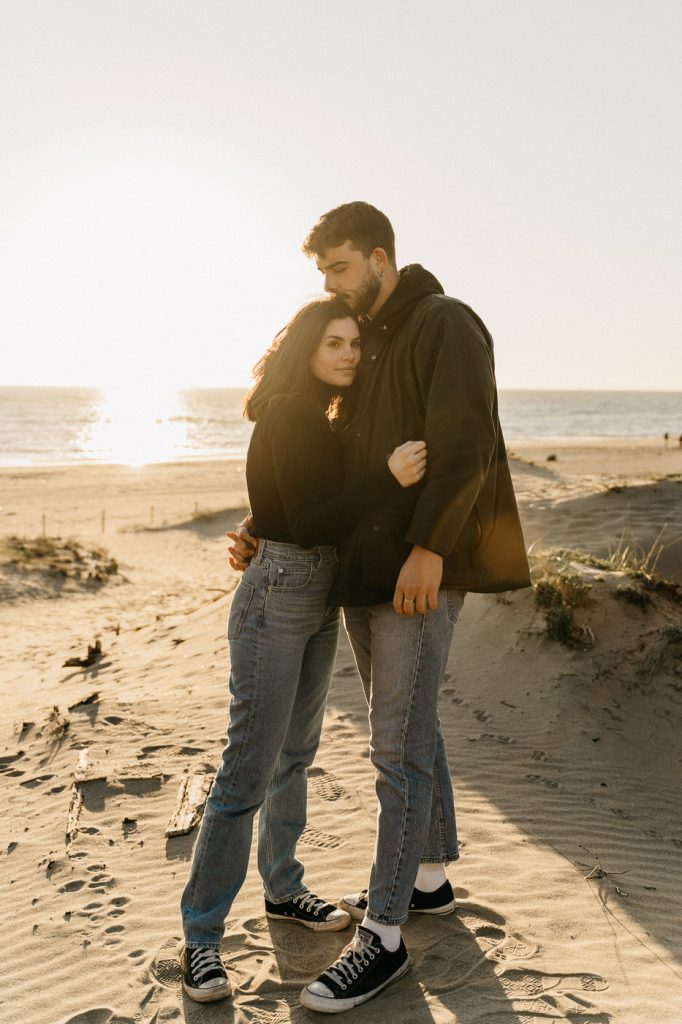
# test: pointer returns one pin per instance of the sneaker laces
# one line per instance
(309, 902)
(355, 956)
(204, 961)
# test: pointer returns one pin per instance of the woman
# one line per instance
(282, 634)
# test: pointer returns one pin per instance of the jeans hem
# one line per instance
(298, 892)
(444, 858)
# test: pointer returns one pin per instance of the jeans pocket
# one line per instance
(290, 576)
(240, 606)
(455, 602)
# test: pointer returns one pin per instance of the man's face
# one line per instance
(350, 276)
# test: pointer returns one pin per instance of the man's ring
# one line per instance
(408, 600)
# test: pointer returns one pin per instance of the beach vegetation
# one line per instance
(633, 595)
(60, 558)
(557, 592)
(632, 561)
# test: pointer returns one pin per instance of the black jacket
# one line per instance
(427, 372)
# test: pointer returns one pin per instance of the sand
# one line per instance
(567, 762)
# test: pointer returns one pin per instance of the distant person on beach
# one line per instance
(666, 439)
(283, 632)
(427, 369)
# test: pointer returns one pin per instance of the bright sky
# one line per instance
(162, 160)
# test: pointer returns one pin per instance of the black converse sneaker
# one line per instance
(442, 901)
(363, 970)
(310, 911)
(203, 975)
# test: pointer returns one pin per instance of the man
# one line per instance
(427, 373)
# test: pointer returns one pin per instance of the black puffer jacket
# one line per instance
(428, 372)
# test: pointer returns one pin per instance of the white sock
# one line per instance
(430, 877)
(388, 933)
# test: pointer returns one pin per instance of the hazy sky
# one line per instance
(162, 160)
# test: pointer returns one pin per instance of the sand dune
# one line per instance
(567, 764)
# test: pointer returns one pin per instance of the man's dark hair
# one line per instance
(361, 224)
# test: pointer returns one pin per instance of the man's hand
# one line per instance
(418, 583)
(245, 546)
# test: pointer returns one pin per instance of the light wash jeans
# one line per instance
(401, 662)
(283, 640)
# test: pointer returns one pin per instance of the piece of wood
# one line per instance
(75, 807)
(192, 795)
(87, 770)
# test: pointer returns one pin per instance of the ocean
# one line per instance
(52, 426)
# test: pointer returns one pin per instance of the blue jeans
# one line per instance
(283, 639)
(401, 662)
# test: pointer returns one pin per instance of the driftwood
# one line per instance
(92, 698)
(94, 654)
(75, 808)
(192, 795)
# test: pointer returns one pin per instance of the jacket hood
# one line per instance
(415, 283)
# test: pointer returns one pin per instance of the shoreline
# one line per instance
(564, 441)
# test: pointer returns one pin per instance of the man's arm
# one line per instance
(454, 366)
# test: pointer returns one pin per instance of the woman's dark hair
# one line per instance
(285, 367)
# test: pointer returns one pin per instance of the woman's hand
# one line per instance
(408, 462)
(245, 546)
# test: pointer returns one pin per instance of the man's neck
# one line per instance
(388, 286)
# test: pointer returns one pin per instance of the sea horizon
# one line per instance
(52, 425)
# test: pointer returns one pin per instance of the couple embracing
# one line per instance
(378, 482)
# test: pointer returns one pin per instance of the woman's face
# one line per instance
(338, 354)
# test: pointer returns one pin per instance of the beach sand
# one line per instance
(567, 760)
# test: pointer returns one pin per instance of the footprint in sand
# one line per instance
(37, 781)
(279, 1014)
(6, 762)
(146, 751)
(325, 784)
(98, 1015)
(544, 781)
(482, 716)
(321, 840)
(73, 886)
(522, 984)
(165, 966)
(539, 755)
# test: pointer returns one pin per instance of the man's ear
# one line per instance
(380, 259)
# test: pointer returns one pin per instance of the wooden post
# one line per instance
(151, 515)
(104, 520)
(42, 523)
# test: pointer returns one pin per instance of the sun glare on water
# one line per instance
(138, 426)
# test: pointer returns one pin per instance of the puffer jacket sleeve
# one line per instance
(454, 368)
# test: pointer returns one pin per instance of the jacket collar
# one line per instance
(414, 284)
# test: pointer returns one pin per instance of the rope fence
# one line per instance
(104, 520)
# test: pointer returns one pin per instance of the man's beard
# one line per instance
(366, 295)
